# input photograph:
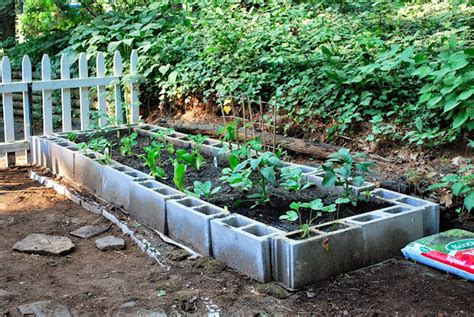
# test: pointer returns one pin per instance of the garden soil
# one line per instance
(126, 282)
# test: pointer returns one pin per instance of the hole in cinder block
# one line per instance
(297, 235)
(90, 155)
(121, 168)
(152, 185)
(396, 210)
(62, 143)
(72, 148)
(166, 191)
(366, 218)
(331, 227)
(134, 174)
(386, 194)
(259, 231)
(188, 202)
(208, 210)
(236, 222)
(146, 127)
(412, 201)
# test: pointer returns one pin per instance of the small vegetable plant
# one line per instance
(295, 214)
(97, 145)
(339, 170)
(203, 189)
(153, 158)
(107, 157)
(461, 184)
(179, 172)
(228, 132)
(238, 176)
(72, 136)
(127, 143)
(265, 165)
(193, 159)
(198, 140)
(292, 179)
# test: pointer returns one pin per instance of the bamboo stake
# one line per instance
(245, 118)
(274, 128)
(261, 121)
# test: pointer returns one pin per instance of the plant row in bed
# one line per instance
(242, 178)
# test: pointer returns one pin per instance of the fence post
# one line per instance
(101, 92)
(134, 91)
(84, 92)
(8, 123)
(66, 94)
(118, 68)
(47, 96)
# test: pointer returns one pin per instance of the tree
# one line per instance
(7, 19)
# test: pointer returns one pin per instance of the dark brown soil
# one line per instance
(235, 200)
(95, 283)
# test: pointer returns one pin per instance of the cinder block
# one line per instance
(317, 179)
(297, 262)
(243, 244)
(148, 203)
(62, 158)
(307, 170)
(386, 231)
(116, 183)
(430, 209)
(88, 171)
(188, 222)
(43, 147)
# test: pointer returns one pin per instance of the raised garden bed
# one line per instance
(225, 225)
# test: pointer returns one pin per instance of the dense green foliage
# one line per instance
(405, 68)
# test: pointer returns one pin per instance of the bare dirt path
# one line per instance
(92, 282)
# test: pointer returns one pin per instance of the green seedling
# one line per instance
(97, 145)
(295, 214)
(292, 179)
(203, 189)
(265, 165)
(193, 159)
(72, 136)
(152, 160)
(238, 177)
(179, 172)
(198, 140)
(127, 143)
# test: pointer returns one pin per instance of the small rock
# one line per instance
(88, 232)
(110, 243)
(274, 290)
(43, 309)
(44, 244)
(178, 255)
(129, 304)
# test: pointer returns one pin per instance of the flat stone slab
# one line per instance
(44, 309)
(88, 232)
(44, 244)
(110, 243)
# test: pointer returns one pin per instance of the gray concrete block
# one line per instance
(243, 244)
(430, 210)
(44, 151)
(317, 179)
(297, 263)
(386, 231)
(148, 203)
(116, 183)
(188, 222)
(88, 171)
(62, 158)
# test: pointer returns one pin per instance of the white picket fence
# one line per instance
(47, 85)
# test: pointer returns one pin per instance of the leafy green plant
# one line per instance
(97, 145)
(179, 173)
(295, 214)
(339, 170)
(193, 159)
(198, 140)
(152, 160)
(228, 132)
(107, 157)
(127, 143)
(72, 136)
(292, 179)
(238, 176)
(203, 189)
(265, 165)
(461, 184)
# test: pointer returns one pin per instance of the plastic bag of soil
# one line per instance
(451, 251)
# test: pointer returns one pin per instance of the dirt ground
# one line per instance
(127, 282)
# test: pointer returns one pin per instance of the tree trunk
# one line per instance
(7, 19)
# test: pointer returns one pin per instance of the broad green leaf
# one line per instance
(451, 103)
(469, 201)
(460, 118)
(419, 124)
(466, 94)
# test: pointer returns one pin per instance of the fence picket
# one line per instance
(66, 94)
(118, 68)
(47, 96)
(27, 76)
(101, 92)
(84, 92)
(134, 101)
(8, 123)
